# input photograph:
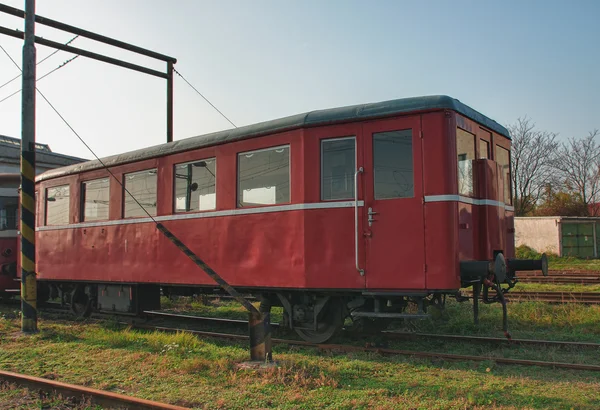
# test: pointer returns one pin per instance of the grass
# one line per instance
(184, 370)
(556, 262)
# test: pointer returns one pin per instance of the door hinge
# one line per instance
(424, 267)
(421, 134)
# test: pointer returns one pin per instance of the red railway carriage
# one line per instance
(347, 211)
(9, 202)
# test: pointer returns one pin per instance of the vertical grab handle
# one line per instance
(358, 171)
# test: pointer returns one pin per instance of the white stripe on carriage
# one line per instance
(210, 214)
(467, 200)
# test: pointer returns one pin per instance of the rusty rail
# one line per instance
(98, 397)
(399, 335)
(589, 298)
(561, 277)
(383, 351)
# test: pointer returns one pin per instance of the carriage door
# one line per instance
(393, 224)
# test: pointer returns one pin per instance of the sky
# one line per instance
(261, 60)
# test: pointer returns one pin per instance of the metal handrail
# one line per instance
(358, 171)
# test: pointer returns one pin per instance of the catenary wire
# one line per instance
(205, 99)
(83, 142)
(42, 77)
(40, 62)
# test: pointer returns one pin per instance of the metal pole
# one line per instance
(27, 195)
(169, 101)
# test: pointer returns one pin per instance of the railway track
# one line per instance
(590, 298)
(379, 350)
(587, 298)
(390, 334)
(561, 277)
(98, 397)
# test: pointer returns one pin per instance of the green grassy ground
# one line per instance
(184, 370)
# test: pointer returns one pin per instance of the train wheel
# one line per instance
(81, 303)
(331, 322)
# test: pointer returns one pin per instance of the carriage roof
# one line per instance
(309, 119)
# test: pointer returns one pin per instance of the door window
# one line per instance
(393, 164)
(338, 164)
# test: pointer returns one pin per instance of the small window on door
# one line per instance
(393, 164)
(338, 164)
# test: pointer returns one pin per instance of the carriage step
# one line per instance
(390, 315)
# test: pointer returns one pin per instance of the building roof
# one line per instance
(309, 119)
(10, 152)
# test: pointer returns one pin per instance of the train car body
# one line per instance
(354, 210)
(9, 204)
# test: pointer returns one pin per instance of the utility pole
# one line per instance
(27, 195)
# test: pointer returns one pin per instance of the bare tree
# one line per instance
(533, 155)
(578, 163)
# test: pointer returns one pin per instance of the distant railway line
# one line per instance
(561, 277)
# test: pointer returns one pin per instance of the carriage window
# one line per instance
(484, 149)
(338, 164)
(195, 184)
(503, 159)
(57, 205)
(393, 164)
(95, 199)
(9, 212)
(465, 149)
(264, 177)
(142, 185)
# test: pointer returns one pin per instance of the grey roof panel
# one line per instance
(313, 118)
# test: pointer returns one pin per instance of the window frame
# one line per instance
(124, 193)
(321, 142)
(174, 195)
(510, 191)
(237, 175)
(412, 159)
(488, 153)
(7, 217)
(474, 177)
(82, 194)
(46, 205)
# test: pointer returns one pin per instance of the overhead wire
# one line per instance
(42, 77)
(83, 142)
(205, 99)
(41, 61)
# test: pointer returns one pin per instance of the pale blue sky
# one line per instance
(260, 60)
